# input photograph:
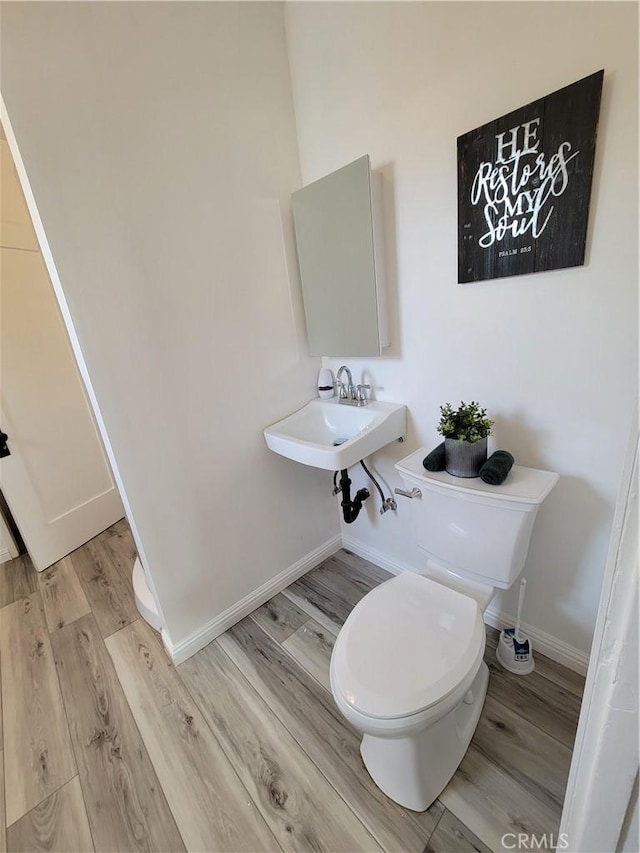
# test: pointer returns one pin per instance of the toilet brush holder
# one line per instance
(515, 653)
(514, 649)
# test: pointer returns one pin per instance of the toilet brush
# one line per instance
(514, 649)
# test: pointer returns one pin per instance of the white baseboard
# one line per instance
(180, 651)
(546, 644)
(396, 567)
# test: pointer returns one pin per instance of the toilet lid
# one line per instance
(406, 646)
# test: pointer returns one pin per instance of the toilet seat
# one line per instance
(407, 646)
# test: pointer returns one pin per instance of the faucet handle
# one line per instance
(342, 390)
(360, 389)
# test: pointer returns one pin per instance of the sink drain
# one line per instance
(339, 441)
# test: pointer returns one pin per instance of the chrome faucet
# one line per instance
(345, 392)
(350, 394)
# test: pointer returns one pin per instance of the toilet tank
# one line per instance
(471, 528)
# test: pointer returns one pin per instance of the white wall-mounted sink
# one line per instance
(328, 434)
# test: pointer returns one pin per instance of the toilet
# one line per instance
(407, 667)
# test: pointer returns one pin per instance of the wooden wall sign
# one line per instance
(524, 182)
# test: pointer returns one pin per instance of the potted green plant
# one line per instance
(465, 432)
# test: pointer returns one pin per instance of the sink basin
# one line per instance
(327, 434)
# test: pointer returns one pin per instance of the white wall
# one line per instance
(553, 355)
(159, 141)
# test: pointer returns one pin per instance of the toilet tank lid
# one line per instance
(523, 485)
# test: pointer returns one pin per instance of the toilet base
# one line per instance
(414, 770)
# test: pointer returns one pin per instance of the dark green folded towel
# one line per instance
(434, 461)
(495, 469)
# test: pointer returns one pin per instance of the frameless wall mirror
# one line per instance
(338, 226)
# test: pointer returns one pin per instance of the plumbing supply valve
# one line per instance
(389, 503)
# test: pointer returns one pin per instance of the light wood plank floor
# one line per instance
(106, 746)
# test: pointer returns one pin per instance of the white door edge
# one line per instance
(605, 755)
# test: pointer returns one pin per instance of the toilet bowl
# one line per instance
(407, 666)
(407, 672)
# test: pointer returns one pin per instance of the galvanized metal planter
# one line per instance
(464, 458)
